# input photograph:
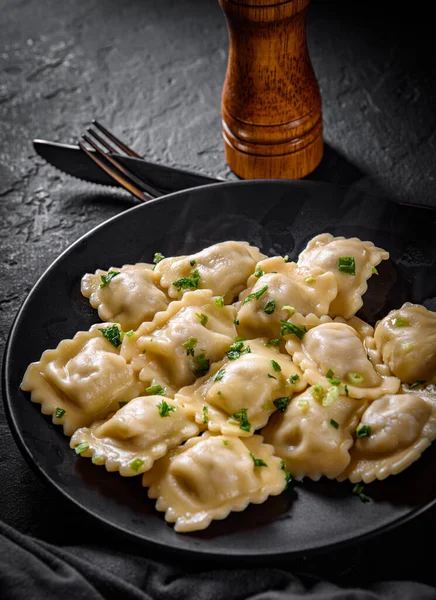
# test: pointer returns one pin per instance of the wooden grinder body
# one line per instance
(271, 103)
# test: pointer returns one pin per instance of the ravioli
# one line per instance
(82, 380)
(352, 262)
(314, 436)
(136, 435)
(240, 393)
(210, 476)
(128, 295)
(222, 268)
(406, 341)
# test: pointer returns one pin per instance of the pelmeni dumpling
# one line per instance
(210, 476)
(352, 262)
(127, 296)
(83, 379)
(223, 268)
(241, 392)
(182, 342)
(136, 435)
(314, 435)
(393, 433)
(296, 288)
(406, 341)
(333, 354)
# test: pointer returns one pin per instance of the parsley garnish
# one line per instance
(363, 431)
(412, 386)
(288, 476)
(258, 273)
(136, 464)
(275, 365)
(190, 345)
(237, 350)
(156, 390)
(121, 404)
(294, 378)
(60, 412)
(219, 375)
(347, 264)
(81, 447)
(203, 318)
(274, 342)
(334, 424)
(112, 334)
(106, 279)
(219, 301)
(258, 462)
(281, 403)
(201, 365)
(358, 489)
(269, 307)
(243, 417)
(188, 283)
(290, 328)
(256, 295)
(157, 258)
(164, 408)
(205, 414)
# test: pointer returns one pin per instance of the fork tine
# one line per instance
(128, 185)
(115, 140)
(131, 176)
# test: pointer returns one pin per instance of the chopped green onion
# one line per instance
(203, 318)
(256, 295)
(400, 322)
(346, 389)
(226, 442)
(259, 272)
(97, 460)
(310, 279)
(129, 333)
(205, 414)
(303, 403)
(334, 423)
(112, 334)
(271, 376)
(81, 447)
(157, 258)
(355, 378)
(275, 365)
(258, 462)
(165, 409)
(294, 378)
(290, 309)
(269, 307)
(236, 322)
(192, 262)
(288, 476)
(237, 350)
(219, 393)
(290, 328)
(363, 431)
(416, 384)
(281, 403)
(347, 264)
(273, 342)
(286, 258)
(156, 390)
(243, 418)
(219, 301)
(201, 365)
(106, 279)
(318, 392)
(374, 271)
(331, 396)
(188, 283)
(219, 375)
(190, 345)
(60, 412)
(330, 374)
(136, 464)
(358, 490)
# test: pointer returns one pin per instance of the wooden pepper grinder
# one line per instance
(271, 103)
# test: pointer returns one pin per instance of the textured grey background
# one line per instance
(153, 71)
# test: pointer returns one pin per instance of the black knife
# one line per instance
(73, 161)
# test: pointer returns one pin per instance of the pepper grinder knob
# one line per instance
(271, 102)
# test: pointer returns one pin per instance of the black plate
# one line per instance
(279, 217)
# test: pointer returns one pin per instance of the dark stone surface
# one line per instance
(153, 71)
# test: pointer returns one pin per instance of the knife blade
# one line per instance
(71, 160)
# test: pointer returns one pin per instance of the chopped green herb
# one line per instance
(358, 490)
(331, 396)
(294, 378)
(281, 403)
(237, 350)
(157, 258)
(129, 333)
(330, 374)
(219, 301)
(275, 365)
(97, 460)
(290, 309)
(286, 258)
(275, 343)
(203, 318)
(310, 279)
(219, 393)
(355, 378)
(347, 264)
(318, 392)
(269, 307)
(219, 375)
(334, 423)
(400, 322)
(190, 345)
(60, 412)
(258, 462)
(187, 283)
(136, 464)
(258, 273)
(346, 389)
(335, 381)
(374, 271)
(243, 418)
(226, 442)
(271, 376)
(165, 409)
(192, 263)
(205, 414)
(121, 404)
(81, 447)
(256, 295)
(106, 279)
(236, 322)
(288, 476)
(363, 431)
(290, 328)
(156, 390)
(201, 365)
(412, 386)
(238, 338)
(303, 403)
(112, 334)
